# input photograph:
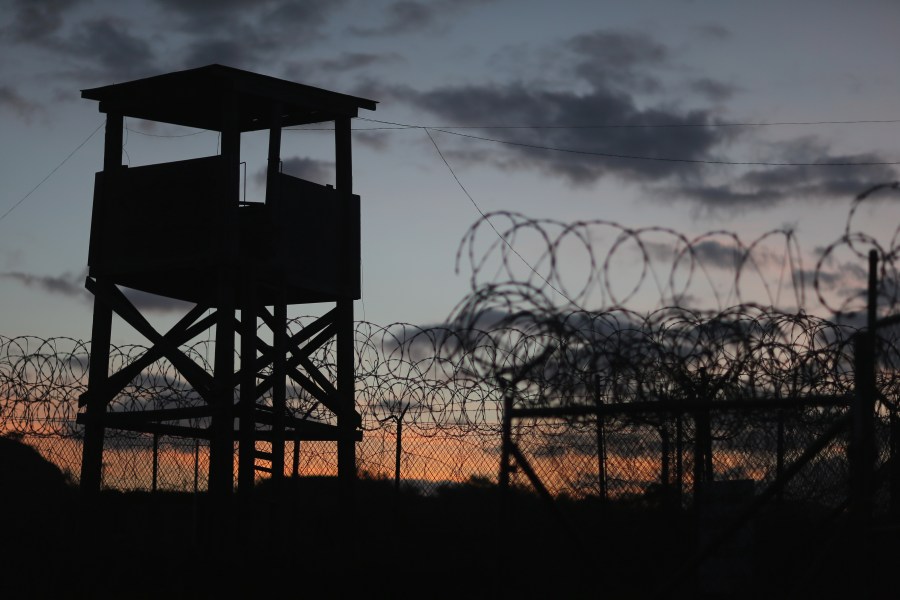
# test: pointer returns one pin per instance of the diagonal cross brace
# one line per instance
(113, 297)
(323, 326)
(179, 334)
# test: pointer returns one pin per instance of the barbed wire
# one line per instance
(588, 346)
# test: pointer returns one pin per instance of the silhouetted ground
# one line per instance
(448, 545)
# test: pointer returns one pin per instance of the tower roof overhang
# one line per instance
(204, 98)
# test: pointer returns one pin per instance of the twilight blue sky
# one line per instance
(567, 66)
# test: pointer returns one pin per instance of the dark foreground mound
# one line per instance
(300, 540)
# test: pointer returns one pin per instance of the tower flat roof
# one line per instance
(199, 98)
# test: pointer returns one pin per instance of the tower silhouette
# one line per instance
(181, 230)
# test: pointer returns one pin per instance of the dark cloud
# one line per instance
(233, 52)
(356, 60)
(103, 49)
(610, 72)
(67, 284)
(561, 114)
(767, 186)
(37, 21)
(708, 252)
(613, 59)
(403, 17)
(249, 34)
(603, 123)
(712, 90)
(375, 140)
(713, 31)
(310, 169)
(10, 99)
(72, 285)
(113, 49)
(414, 16)
(311, 70)
(207, 9)
(827, 279)
(717, 254)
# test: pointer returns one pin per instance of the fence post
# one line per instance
(895, 465)
(665, 482)
(779, 455)
(399, 448)
(679, 453)
(195, 508)
(862, 443)
(601, 459)
(153, 485)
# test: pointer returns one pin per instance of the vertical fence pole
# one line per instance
(664, 477)
(779, 455)
(195, 507)
(505, 441)
(895, 465)
(679, 453)
(295, 467)
(862, 443)
(601, 459)
(153, 485)
(861, 451)
(399, 448)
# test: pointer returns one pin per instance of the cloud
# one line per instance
(614, 77)
(67, 284)
(712, 90)
(767, 186)
(350, 61)
(203, 10)
(713, 31)
(248, 33)
(609, 74)
(565, 117)
(403, 17)
(36, 22)
(306, 70)
(717, 254)
(11, 99)
(103, 48)
(227, 50)
(614, 59)
(109, 43)
(413, 16)
(71, 285)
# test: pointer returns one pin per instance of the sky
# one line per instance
(571, 111)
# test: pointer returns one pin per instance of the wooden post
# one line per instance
(279, 375)
(247, 406)
(345, 344)
(862, 442)
(221, 450)
(101, 333)
(94, 429)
